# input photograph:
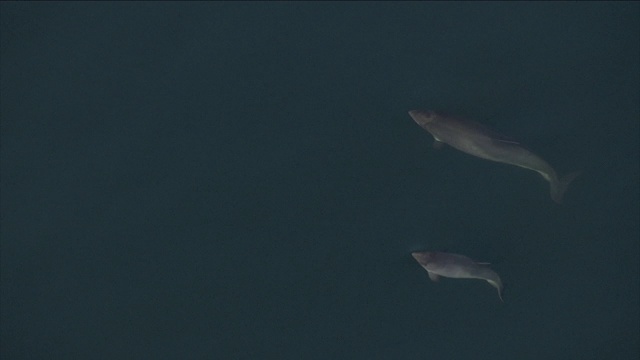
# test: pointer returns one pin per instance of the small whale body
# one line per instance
(457, 266)
(477, 140)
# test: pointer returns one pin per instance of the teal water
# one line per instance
(243, 180)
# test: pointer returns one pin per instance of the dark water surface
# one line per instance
(242, 180)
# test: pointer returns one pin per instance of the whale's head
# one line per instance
(423, 257)
(423, 117)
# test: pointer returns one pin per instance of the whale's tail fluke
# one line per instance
(560, 186)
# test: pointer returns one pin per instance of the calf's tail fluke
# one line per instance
(560, 186)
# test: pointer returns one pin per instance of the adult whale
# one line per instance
(456, 266)
(475, 139)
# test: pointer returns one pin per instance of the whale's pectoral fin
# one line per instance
(433, 276)
(437, 144)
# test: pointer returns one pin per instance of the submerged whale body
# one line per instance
(457, 266)
(477, 140)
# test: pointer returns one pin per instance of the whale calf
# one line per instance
(457, 266)
(477, 140)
